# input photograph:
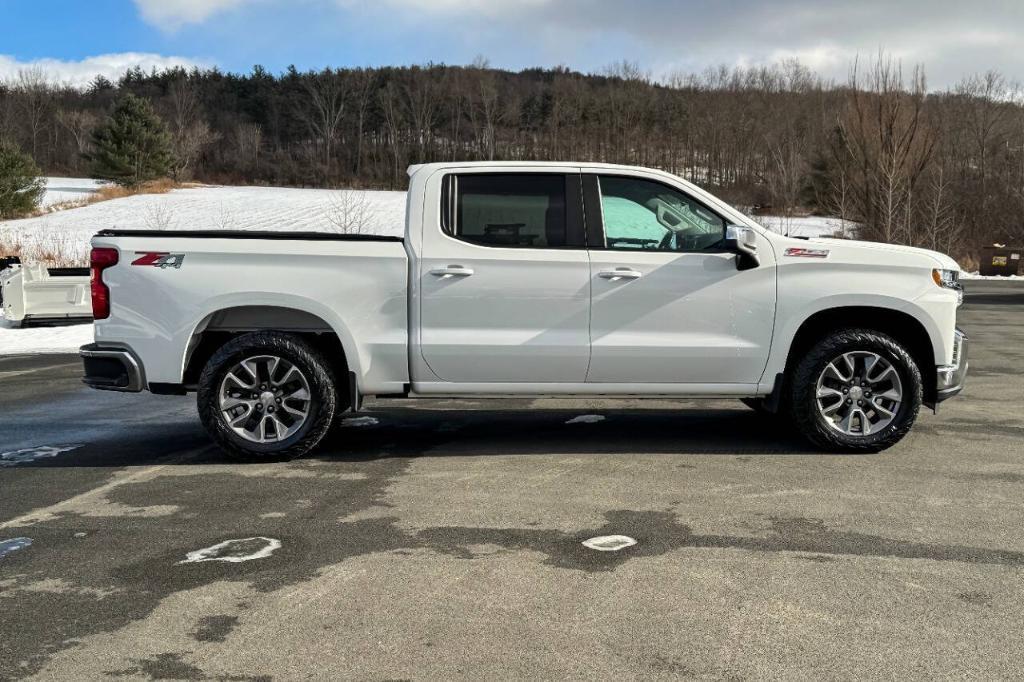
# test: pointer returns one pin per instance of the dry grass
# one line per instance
(58, 251)
(108, 192)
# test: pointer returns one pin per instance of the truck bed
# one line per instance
(170, 287)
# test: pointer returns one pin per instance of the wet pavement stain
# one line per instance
(168, 666)
(660, 532)
(215, 628)
(171, 666)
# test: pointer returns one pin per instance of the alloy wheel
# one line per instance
(264, 399)
(859, 393)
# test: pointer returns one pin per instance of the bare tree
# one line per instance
(79, 124)
(363, 82)
(889, 143)
(394, 122)
(35, 90)
(324, 109)
(190, 133)
(421, 100)
(350, 212)
(248, 140)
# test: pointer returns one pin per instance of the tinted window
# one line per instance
(511, 211)
(641, 214)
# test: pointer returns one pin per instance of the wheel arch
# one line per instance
(902, 326)
(229, 319)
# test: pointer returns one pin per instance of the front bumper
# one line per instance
(950, 379)
(111, 369)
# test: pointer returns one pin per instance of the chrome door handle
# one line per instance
(452, 271)
(620, 273)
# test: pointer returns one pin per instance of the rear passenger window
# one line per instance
(509, 210)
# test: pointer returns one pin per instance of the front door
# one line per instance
(669, 305)
(505, 284)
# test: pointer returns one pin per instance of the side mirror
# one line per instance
(742, 241)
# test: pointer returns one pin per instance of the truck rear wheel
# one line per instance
(267, 396)
(857, 390)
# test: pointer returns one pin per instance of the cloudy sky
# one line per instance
(73, 40)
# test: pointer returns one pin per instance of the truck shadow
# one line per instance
(418, 432)
(407, 432)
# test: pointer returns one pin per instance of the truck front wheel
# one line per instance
(857, 390)
(267, 396)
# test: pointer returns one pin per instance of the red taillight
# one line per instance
(100, 260)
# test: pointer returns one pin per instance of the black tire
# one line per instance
(802, 400)
(322, 389)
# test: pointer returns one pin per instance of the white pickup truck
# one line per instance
(528, 279)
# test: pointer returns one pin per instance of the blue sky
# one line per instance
(68, 37)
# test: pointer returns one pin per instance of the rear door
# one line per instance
(669, 305)
(505, 281)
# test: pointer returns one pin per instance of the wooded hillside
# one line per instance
(938, 169)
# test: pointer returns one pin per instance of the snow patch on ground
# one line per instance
(609, 543)
(13, 545)
(29, 340)
(359, 421)
(586, 419)
(234, 551)
(69, 190)
(15, 457)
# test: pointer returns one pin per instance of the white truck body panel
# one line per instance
(358, 289)
(441, 316)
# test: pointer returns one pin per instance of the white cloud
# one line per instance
(463, 7)
(80, 73)
(172, 14)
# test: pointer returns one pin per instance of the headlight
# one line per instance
(949, 279)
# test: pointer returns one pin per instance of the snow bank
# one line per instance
(209, 208)
(68, 339)
(977, 275)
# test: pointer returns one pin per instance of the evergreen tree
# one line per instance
(133, 146)
(21, 188)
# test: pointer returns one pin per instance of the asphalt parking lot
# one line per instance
(443, 539)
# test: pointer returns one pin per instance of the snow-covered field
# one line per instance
(206, 208)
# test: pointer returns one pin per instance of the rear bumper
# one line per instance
(950, 379)
(111, 369)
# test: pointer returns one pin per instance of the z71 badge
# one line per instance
(159, 260)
